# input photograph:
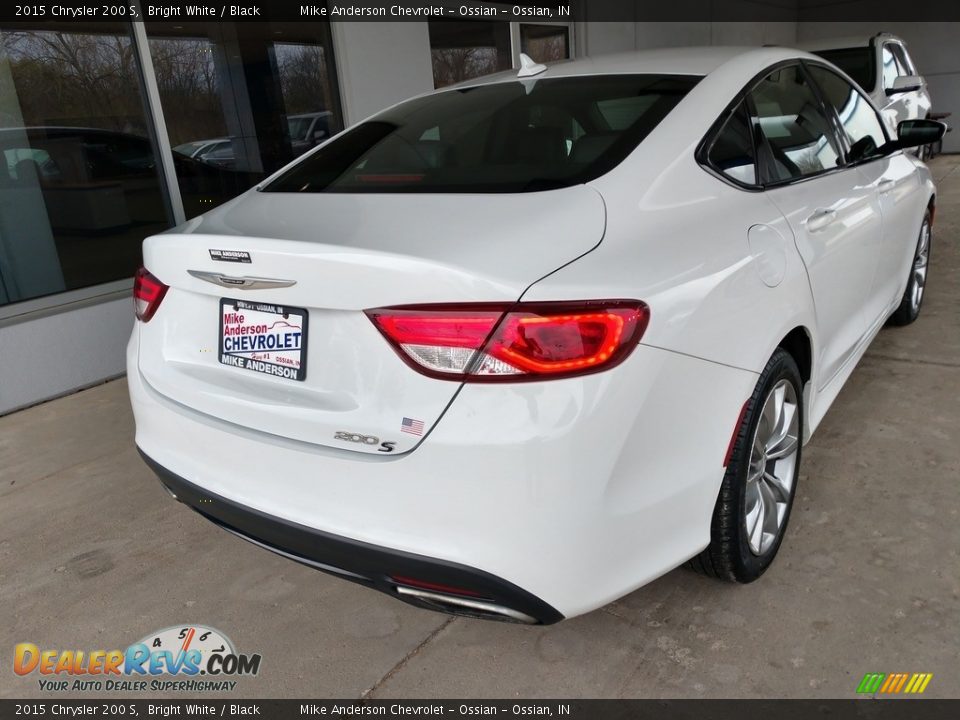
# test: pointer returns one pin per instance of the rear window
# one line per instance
(507, 137)
(859, 63)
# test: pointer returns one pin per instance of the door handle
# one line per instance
(820, 219)
(885, 186)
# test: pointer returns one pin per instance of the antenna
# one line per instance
(528, 67)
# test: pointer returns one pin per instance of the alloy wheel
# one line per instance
(921, 262)
(772, 470)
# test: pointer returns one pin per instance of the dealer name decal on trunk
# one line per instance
(240, 256)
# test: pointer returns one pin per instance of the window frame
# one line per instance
(513, 28)
(516, 37)
(701, 154)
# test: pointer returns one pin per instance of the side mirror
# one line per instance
(905, 84)
(319, 136)
(914, 133)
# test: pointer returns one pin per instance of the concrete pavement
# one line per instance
(95, 555)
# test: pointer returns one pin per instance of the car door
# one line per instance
(892, 177)
(833, 213)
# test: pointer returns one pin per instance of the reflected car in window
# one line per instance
(517, 347)
(308, 130)
(199, 148)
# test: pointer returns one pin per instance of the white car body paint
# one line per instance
(576, 490)
(769, 249)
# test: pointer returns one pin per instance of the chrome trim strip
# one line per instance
(466, 603)
(240, 283)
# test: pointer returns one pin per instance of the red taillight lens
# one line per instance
(436, 587)
(148, 293)
(523, 341)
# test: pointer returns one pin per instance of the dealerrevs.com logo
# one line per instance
(187, 658)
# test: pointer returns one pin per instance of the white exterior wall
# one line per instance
(55, 354)
(379, 64)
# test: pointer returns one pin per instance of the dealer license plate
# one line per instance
(264, 338)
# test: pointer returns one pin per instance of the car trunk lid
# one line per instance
(320, 260)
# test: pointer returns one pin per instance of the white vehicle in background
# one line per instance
(198, 149)
(882, 66)
(308, 130)
(515, 348)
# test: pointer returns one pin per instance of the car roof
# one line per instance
(696, 61)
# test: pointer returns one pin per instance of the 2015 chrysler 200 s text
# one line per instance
(516, 348)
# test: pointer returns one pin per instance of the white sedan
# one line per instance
(515, 348)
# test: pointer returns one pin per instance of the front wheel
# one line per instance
(909, 308)
(752, 510)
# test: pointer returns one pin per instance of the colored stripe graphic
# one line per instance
(918, 683)
(894, 683)
(870, 683)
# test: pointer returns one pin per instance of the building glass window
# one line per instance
(241, 100)
(545, 43)
(462, 50)
(79, 181)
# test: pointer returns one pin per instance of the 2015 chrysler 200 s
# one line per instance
(516, 348)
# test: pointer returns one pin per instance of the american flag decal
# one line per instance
(414, 427)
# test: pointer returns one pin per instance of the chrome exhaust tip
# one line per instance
(461, 605)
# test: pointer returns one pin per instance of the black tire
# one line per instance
(729, 556)
(909, 309)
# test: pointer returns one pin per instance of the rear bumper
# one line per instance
(364, 563)
(556, 497)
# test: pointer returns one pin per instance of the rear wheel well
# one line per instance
(797, 343)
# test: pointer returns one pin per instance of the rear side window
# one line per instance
(794, 127)
(858, 62)
(903, 62)
(732, 152)
(892, 68)
(505, 137)
(906, 62)
(861, 126)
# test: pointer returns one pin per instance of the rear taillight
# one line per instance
(487, 342)
(148, 293)
(433, 586)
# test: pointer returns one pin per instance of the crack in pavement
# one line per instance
(406, 658)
